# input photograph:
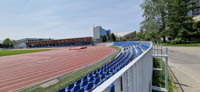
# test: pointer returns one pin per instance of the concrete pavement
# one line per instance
(185, 65)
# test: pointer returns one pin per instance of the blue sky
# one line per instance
(66, 18)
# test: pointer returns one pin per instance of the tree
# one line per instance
(180, 24)
(169, 18)
(113, 38)
(140, 35)
(104, 38)
(155, 12)
(7, 43)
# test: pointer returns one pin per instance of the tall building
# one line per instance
(195, 12)
(99, 32)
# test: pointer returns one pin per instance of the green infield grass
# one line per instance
(182, 45)
(15, 52)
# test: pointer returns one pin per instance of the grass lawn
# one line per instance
(15, 52)
(116, 48)
(182, 45)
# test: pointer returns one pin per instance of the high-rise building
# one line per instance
(99, 32)
(195, 12)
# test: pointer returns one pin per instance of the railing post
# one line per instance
(166, 70)
(161, 62)
(157, 48)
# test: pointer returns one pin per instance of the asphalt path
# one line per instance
(184, 62)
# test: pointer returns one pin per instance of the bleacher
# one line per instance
(129, 51)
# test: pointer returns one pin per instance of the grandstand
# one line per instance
(61, 42)
(129, 51)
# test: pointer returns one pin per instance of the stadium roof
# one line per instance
(122, 34)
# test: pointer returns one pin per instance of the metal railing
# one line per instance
(161, 53)
(134, 77)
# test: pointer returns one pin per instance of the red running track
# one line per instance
(19, 71)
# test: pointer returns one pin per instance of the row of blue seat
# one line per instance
(94, 79)
(125, 44)
(144, 47)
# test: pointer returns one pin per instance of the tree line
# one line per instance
(7, 43)
(112, 37)
(169, 19)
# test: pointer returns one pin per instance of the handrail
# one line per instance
(112, 79)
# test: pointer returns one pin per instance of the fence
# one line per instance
(161, 53)
(135, 77)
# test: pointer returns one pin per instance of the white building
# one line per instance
(125, 35)
(99, 32)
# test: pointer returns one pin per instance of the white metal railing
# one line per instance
(134, 77)
(162, 54)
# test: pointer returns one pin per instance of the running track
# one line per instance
(19, 71)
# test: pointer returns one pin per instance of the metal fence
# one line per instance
(135, 77)
(161, 53)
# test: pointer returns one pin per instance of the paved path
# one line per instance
(185, 64)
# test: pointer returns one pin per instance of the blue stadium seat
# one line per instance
(70, 86)
(84, 83)
(62, 90)
(102, 76)
(78, 82)
(90, 75)
(90, 79)
(76, 88)
(85, 78)
(96, 81)
(96, 75)
(89, 86)
(107, 73)
(81, 90)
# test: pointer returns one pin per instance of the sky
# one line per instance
(59, 19)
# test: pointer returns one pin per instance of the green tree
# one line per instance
(180, 24)
(152, 36)
(140, 35)
(104, 38)
(7, 43)
(112, 37)
(169, 18)
(155, 12)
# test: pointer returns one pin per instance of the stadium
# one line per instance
(67, 69)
